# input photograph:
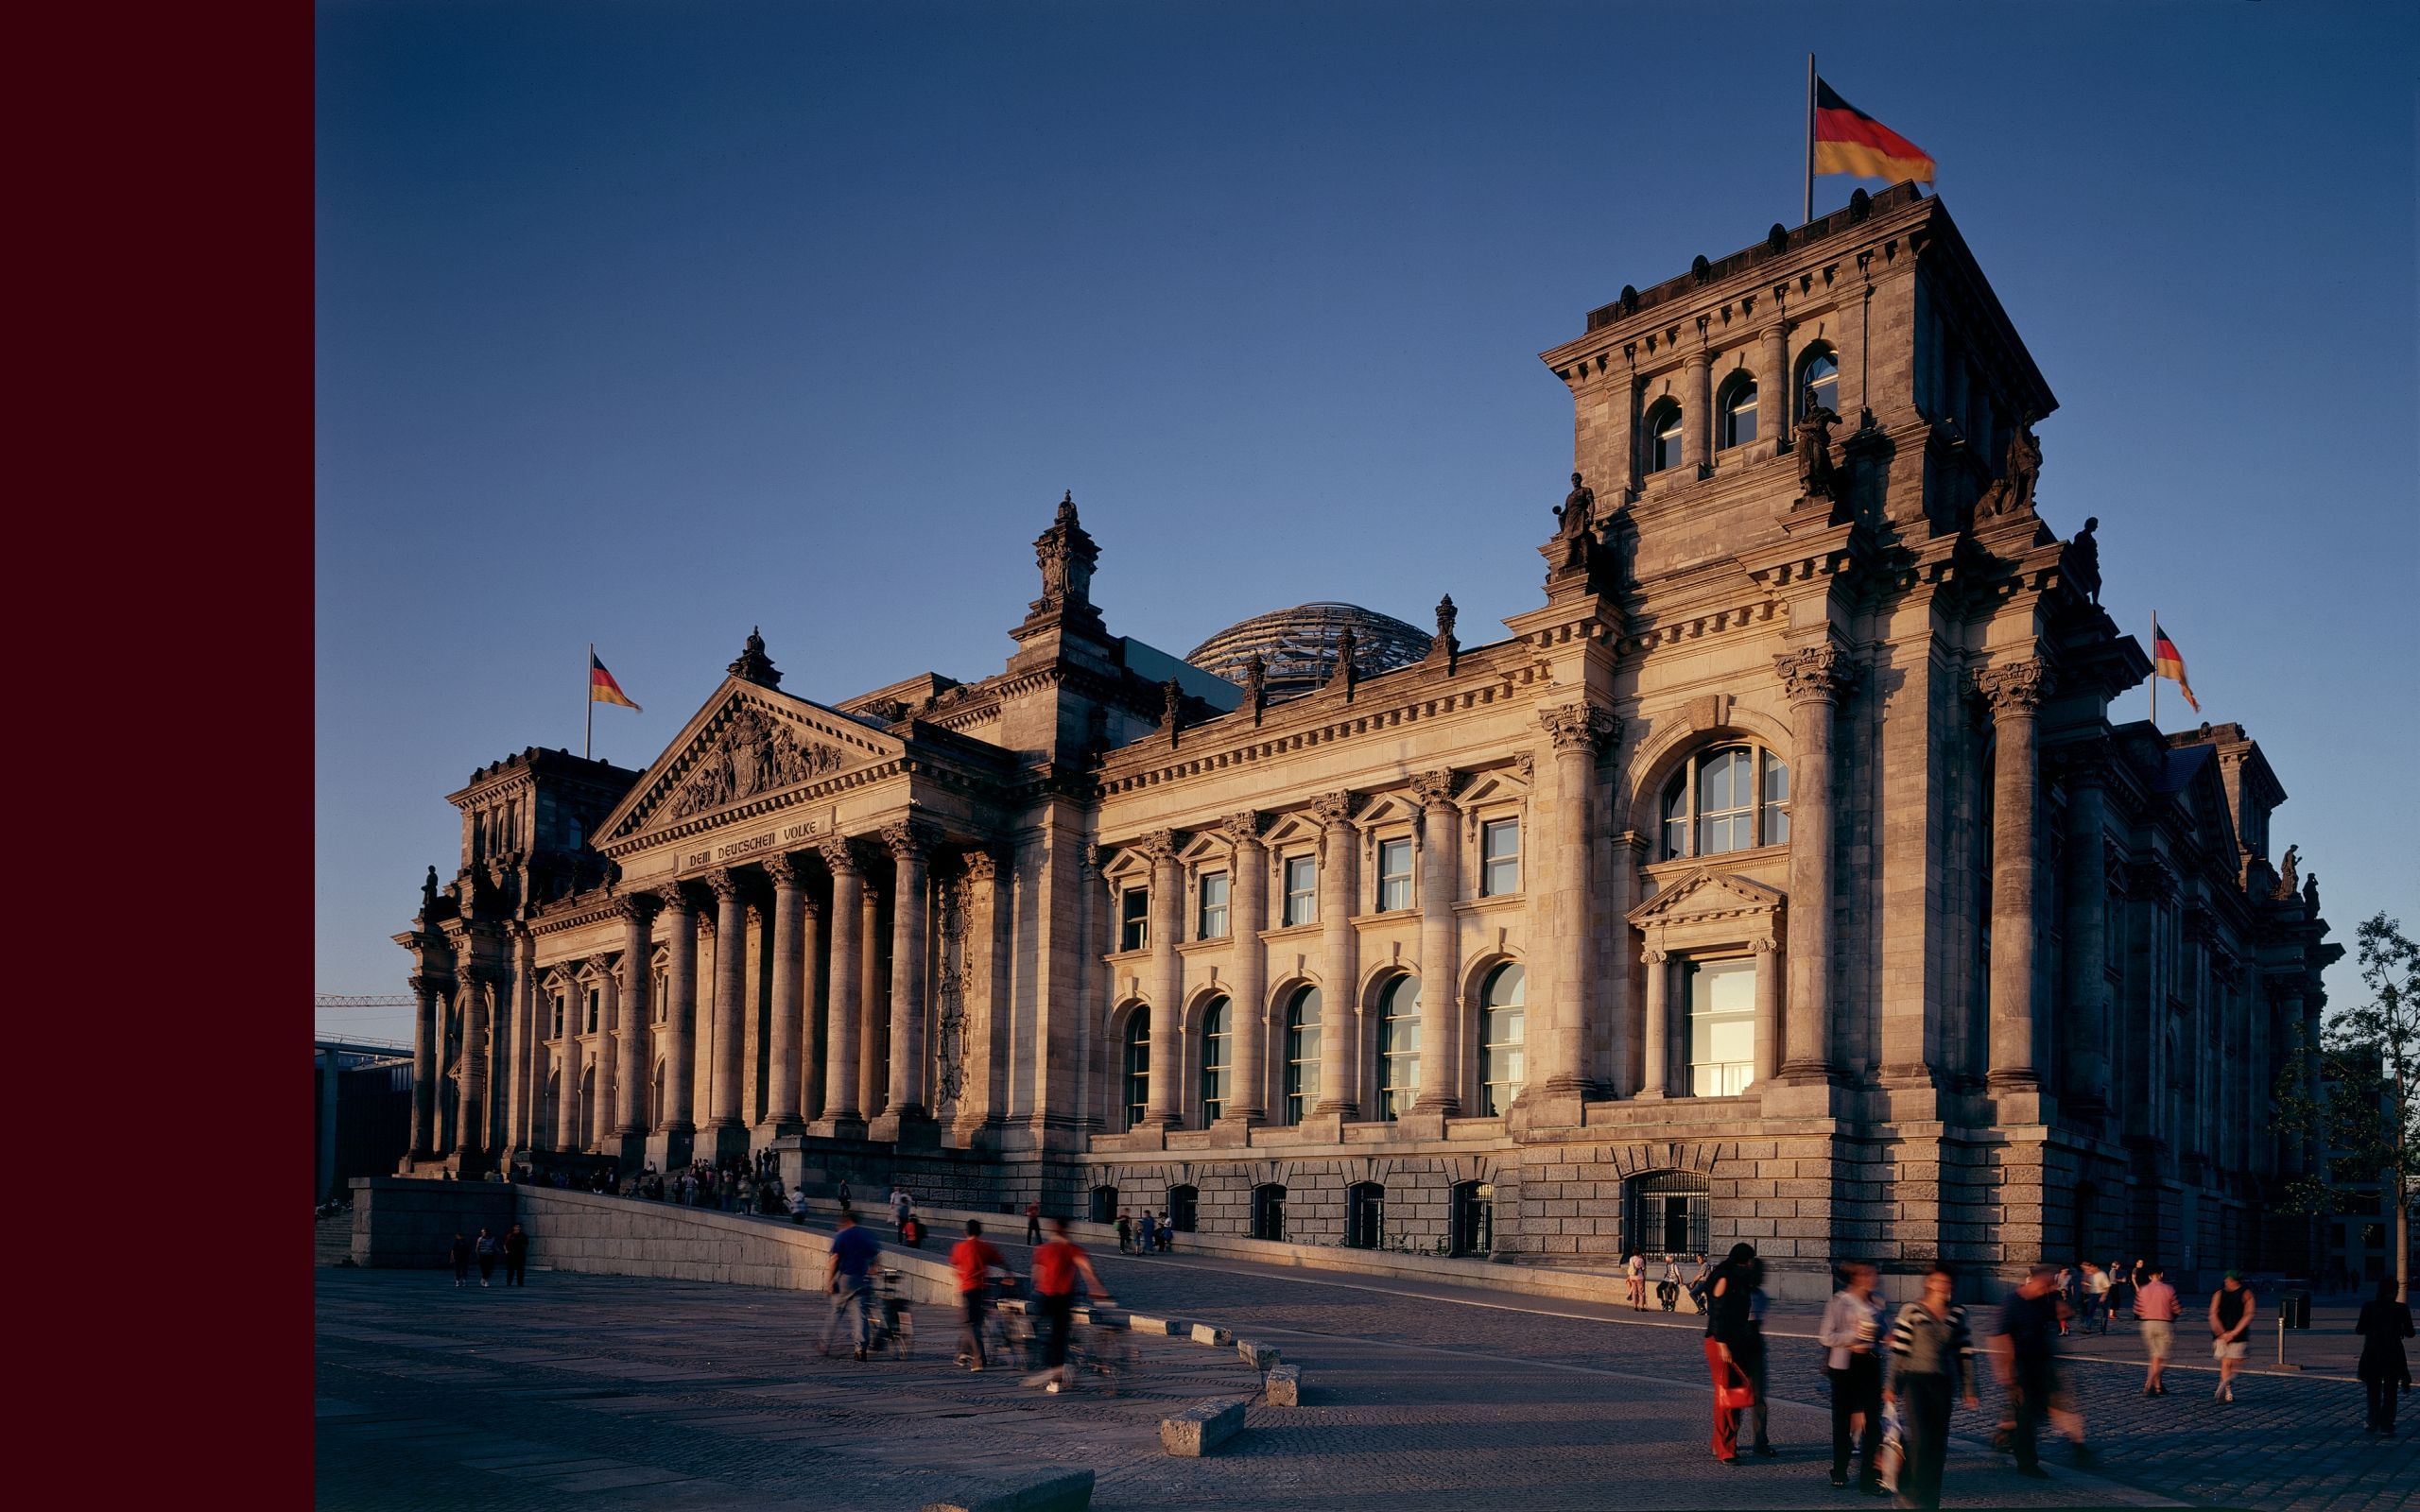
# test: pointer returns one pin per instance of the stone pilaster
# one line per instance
(1340, 1019)
(597, 1117)
(1247, 915)
(1440, 1019)
(1813, 678)
(1630, 850)
(470, 1123)
(638, 1025)
(843, 1113)
(2014, 693)
(428, 996)
(1774, 414)
(1579, 733)
(1768, 1065)
(1657, 1032)
(782, 1114)
(1165, 1108)
(912, 846)
(1697, 422)
(729, 1133)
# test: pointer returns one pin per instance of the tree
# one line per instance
(2367, 1119)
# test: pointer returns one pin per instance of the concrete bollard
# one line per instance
(1201, 1427)
(1261, 1357)
(1286, 1386)
(1205, 1333)
(1061, 1491)
(1141, 1324)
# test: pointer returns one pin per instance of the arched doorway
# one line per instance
(1365, 1214)
(1473, 1224)
(1269, 1212)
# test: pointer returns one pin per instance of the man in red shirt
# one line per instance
(975, 1258)
(1056, 1265)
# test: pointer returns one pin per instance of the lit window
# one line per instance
(1729, 799)
(1738, 410)
(1133, 919)
(1398, 1047)
(1818, 381)
(1138, 1066)
(1214, 1059)
(1499, 852)
(1503, 1046)
(1302, 1054)
(1663, 436)
(1394, 875)
(1214, 907)
(1302, 889)
(1723, 1026)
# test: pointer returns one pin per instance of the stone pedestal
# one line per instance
(720, 1140)
(905, 1126)
(843, 1126)
(673, 1148)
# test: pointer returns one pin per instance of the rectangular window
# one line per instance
(1134, 918)
(1302, 889)
(1394, 875)
(1723, 1026)
(1214, 907)
(558, 1030)
(663, 1000)
(593, 997)
(1499, 852)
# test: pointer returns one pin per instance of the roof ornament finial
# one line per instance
(754, 665)
(1066, 555)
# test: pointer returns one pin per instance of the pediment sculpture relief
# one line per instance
(752, 754)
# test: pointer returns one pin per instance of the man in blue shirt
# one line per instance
(849, 1277)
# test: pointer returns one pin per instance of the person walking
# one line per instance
(2096, 1297)
(2232, 1308)
(1753, 1362)
(517, 1258)
(1167, 1234)
(1057, 1267)
(1932, 1359)
(2383, 1326)
(2121, 1292)
(1637, 1268)
(1726, 1330)
(461, 1255)
(1667, 1291)
(2024, 1357)
(1149, 1231)
(848, 1275)
(844, 1191)
(2155, 1310)
(487, 1249)
(1033, 1223)
(1851, 1331)
(975, 1258)
(900, 1206)
(1700, 1283)
(1125, 1234)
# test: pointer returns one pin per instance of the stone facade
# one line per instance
(1780, 877)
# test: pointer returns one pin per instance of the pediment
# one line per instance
(748, 742)
(1707, 894)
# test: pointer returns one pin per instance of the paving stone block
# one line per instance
(1261, 1357)
(1211, 1333)
(1060, 1492)
(1286, 1385)
(1201, 1427)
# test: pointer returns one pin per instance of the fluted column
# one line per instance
(1341, 1017)
(1696, 426)
(2087, 1009)
(1578, 732)
(2014, 693)
(428, 994)
(730, 994)
(1441, 1036)
(1657, 1082)
(638, 1021)
(470, 1124)
(680, 1021)
(1772, 392)
(1166, 1107)
(1247, 915)
(840, 1103)
(1813, 678)
(789, 998)
(912, 847)
(522, 1089)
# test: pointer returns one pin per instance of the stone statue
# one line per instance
(1256, 685)
(2288, 884)
(2311, 892)
(1345, 652)
(754, 665)
(2024, 468)
(2087, 553)
(428, 893)
(1171, 703)
(1578, 507)
(1814, 443)
(1446, 614)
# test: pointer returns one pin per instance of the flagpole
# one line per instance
(2155, 670)
(1808, 217)
(588, 704)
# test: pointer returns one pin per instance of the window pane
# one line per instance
(1302, 889)
(1394, 875)
(1302, 1054)
(1399, 1046)
(1214, 907)
(1135, 914)
(1721, 1037)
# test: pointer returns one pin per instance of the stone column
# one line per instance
(1629, 1034)
(730, 1003)
(596, 1119)
(1442, 1034)
(1697, 423)
(1247, 915)
(470, 1129)
(2087, 1007)
(1340, 1012)
(1773, 400)
(679, 1023)
(1768, 1009)
(912, 847)
(1165, 1108)
(814, 1032)
(522, 1088)
(1658, 1080)
(873, 1069)
(1579, 731)
(2014, 693)
(638, 1023)
(427, 996)
(789, 998)
(567, 1057)
(842, 1112)
(1623, 390)
(1813, 678)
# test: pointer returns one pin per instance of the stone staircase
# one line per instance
(332, 1240)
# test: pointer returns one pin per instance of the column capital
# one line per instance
(1157, 846)
(1815, 674)
(1580, 728)
(1653, 955)
(726, 884)
(637, 908)
(1243, 829)
(839, 854)
(982, 864)
(1764, 945)
(1334, 810)
(790, 869)
(424, 984)
(1435, 790)
(910, 840)
(2014, 690)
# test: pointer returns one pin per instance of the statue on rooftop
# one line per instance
(1813, 440)
(2310, 893)
(1256, 685)
(428, 893)
(2087, 553)
(2024, 468)
(2288, 884)
(1574, 515)
(1446, 614)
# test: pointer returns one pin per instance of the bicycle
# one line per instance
(1100, 1349)
(894, 1315)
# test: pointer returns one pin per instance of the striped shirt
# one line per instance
(1923, 1344)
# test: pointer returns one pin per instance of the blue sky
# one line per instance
(644, 324)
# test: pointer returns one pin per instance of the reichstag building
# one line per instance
(1780, 876)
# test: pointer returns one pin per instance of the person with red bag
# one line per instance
(1727, 1330)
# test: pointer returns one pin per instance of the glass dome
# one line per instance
(1298, 646)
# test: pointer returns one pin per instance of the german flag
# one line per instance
(1849, 141)
(602, 688)
(2167, 661)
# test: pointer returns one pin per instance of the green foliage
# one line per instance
(2368, 1111)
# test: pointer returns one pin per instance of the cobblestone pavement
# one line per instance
(593, 1389)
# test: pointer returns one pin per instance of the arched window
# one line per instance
(1503, 1049)
(1101, 1206)
(1365, 1214)
(1215, 1040)
(1398, 1047)
(1302, 1054)
(1185, 1205)
(1737, 412)
(1662, 448)
(1138, 1066)
(1268, 1213)
(1819, 381)
(1473, 1217)
(1731, 797)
